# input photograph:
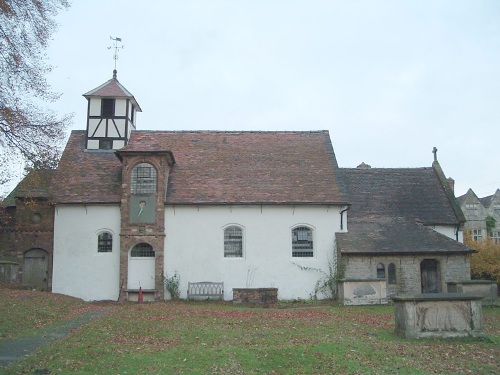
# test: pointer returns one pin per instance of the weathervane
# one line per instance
(116, 47)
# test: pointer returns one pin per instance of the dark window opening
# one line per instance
(391, 270)
(105, 144)
(143, 179)
(105, 243)
(302, 242)
(142, 250)
(107, 107)
(380, 271)
(233, 242)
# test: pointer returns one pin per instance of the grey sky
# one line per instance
(389, 79)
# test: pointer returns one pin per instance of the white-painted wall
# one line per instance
(194, 247)
(95, 107)
(121, 107)
(449, 231)
(79, 270)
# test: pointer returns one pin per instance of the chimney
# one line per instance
(451, 182)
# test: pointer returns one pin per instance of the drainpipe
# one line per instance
(342, 217)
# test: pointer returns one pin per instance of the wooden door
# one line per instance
(429, 272)
(36, 268)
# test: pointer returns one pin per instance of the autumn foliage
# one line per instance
(485, 264)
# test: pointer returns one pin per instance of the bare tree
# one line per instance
(28, 130)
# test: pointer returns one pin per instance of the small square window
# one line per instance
(477, 234)
(107, 107)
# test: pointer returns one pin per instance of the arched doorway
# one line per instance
(429, 273)
(141, 267)
(36, 268)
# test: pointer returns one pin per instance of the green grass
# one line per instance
(211, 338)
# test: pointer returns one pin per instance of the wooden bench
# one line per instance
(205, 290)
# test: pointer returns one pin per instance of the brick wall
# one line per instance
(258, 297)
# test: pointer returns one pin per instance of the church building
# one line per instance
(127, 208)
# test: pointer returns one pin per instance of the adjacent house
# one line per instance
(482, 215)
(126, 208)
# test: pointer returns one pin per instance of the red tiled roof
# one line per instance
(85, 176)
(214, 168)
(114, 89)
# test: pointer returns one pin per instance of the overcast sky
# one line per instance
(389, 79)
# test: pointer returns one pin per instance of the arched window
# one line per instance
(233, 242)
(302, 242)
(380, 271)
(142, 250)
(391, 273)
(143, 179)
(105, 242)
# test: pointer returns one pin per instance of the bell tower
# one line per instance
(111, 115)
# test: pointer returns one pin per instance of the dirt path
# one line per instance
(14, 349)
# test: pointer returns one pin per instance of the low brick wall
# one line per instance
(438, 315)
(258, 297)
(485, 288)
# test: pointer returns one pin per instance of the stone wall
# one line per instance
(452, 268)
(439, 315)
(258, 297)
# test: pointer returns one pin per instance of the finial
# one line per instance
(114, 73)
(117, 48)
(435, 151)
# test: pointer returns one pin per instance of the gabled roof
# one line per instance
(112, 89)
(412, 193)
(469, 196)
(391, 208)
(212, 167)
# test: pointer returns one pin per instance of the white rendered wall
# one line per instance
(449, 231)
(95, 107)
(194, 247)
(79, 270)
(121, 107)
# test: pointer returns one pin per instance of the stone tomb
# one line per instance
(439, 315)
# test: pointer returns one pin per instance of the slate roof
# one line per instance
(212, 167)
(391, 209)
(384, 235)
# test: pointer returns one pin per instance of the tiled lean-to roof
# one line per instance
(391, 209)
(213, 167)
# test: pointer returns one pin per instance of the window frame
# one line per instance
(142, 184)
(108, 107)
(391, 274)
(144, 249)
(104, 245)
(380, 271)
(302, 248)
(477, 234)
(231, 242)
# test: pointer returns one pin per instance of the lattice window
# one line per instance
(233, 242)
(380, 271)
(143, 179)
(391, 273)
(302, 242)
(105, 243)
(142, 250)
(477, 234)
(472, 208)
(496, 237)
